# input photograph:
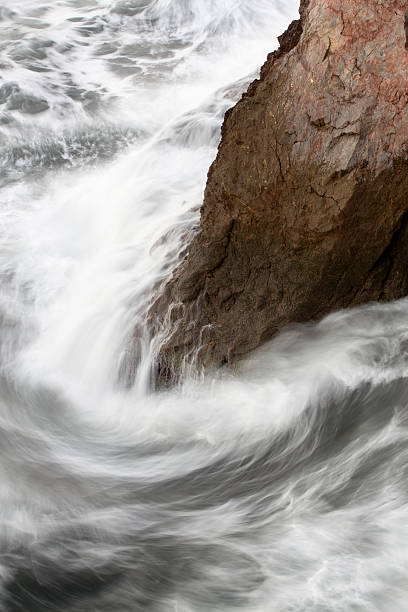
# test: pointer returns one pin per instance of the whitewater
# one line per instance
(276, 485)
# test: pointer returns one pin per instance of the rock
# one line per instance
(306, 206)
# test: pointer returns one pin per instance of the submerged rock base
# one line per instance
(306, 204)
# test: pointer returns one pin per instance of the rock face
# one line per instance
(306, 204)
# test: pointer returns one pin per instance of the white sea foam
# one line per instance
(278, 486)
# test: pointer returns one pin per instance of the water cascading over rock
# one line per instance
(305, 209)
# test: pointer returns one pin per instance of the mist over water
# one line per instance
(276, 486)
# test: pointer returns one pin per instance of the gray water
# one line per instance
(276, 486)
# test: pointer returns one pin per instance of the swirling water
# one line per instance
(279, 486)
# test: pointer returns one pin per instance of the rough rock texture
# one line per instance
(306, 205)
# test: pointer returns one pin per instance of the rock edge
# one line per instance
(306, 208)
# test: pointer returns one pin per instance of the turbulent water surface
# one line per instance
(280, 486)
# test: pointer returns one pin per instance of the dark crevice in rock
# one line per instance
(225, 254)
(327, 52)
(406, 29)
(386, 256)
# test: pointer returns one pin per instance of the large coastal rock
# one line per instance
(306, 205)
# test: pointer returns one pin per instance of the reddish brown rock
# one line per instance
(306, 204)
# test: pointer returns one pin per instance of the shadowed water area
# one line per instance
(278, 485)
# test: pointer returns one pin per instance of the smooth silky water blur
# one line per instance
(278, 486)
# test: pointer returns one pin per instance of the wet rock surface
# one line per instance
(306, 206)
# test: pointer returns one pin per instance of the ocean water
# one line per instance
(276, 486)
